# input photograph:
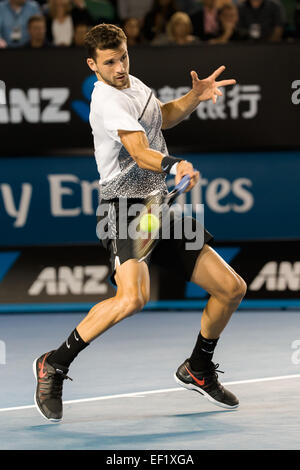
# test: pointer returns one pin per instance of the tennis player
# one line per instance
(133, 161)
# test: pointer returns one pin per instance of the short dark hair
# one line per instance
(35, 18)
(103, 36)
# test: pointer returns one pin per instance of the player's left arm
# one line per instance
(175, 111)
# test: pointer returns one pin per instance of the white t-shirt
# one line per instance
(63, 32)
(132, 109)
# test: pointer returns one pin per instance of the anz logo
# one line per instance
(276, 276)
(81, 107)
(77, 280)
(44, 105)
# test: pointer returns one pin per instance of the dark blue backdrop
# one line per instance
(246, 196)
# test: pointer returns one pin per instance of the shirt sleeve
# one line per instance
(120, 114)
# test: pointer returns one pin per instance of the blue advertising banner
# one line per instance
(250, 196)
(48, 200)
(246, 196)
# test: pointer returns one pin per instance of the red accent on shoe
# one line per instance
(199, 382)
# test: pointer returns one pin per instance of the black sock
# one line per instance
(67, 352)
(203, 352)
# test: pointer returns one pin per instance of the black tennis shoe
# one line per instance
(48, 395)
(206, 383)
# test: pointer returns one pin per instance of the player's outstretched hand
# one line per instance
(208, 88)
(186, 168)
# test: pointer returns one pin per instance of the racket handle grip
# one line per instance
(183, 183)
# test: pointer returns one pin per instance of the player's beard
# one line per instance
(124, 83)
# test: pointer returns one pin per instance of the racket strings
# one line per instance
(145, 240)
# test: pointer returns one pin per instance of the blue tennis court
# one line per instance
(123, 395)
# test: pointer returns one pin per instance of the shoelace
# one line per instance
(215, 366)
(63, 375)
(215, 369)
(56, 387)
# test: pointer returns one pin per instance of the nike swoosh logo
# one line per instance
(199, 382)
(77, 339)
(68, 346)
(164, 168)
(205, 350)
(205, 341)
(42, 374)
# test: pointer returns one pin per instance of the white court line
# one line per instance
(152, 392)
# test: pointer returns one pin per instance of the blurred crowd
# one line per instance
(64, 23)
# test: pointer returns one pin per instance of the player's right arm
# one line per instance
(137, 145)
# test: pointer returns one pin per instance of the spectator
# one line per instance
(80, 14)
(133, 8)
(14, 15)
(288, 8)
(222, 3)
(205, 21)
(283, 9)
(156, 20)
(132, 29)
(80, 31)
(179, 32)
(37, 32)
(60, 27)
(261, 20)
(228, 21)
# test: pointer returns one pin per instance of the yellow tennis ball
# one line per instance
(149, 223)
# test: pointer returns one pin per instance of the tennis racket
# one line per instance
(156, 205)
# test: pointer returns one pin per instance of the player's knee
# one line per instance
(236, 289)
(243, 287)
(133, 303)
(146, 297)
